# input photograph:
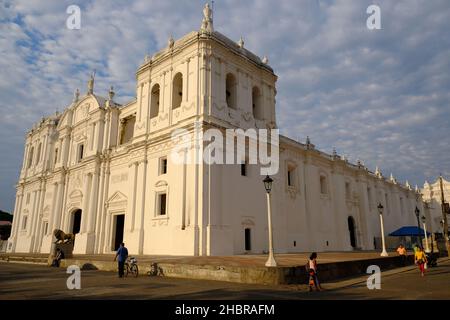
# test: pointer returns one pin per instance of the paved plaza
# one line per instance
(30, 281)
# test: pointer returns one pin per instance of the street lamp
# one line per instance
(268, 185)
(424, 220)
(417, 212)
(380, 211)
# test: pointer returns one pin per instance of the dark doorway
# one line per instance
(119, 223)
(76, 222)
(351, 230)
(248, 240)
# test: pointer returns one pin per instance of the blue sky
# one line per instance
(382, 96)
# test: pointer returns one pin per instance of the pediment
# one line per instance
(161, 183)
(75, 194)
(66, 119)
(117, 197)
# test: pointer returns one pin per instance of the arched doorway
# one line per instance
(76, 221)
(351, 230)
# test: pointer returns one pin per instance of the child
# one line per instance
(312, 269)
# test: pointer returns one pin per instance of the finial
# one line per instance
(170, 42)
(241, 43)
(334, 153)
(308, 141)
(76, 95)
(416, 189)
(392, 179)
(111, 93)
(408, 185)
(265, 60)
(378, 172)
(207, 23)
(91, 83)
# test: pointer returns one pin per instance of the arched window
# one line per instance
(323, 185)
(231, 91)
(177, 91)
(256, 103)
(30, 157)
(38, 155)
(154, 106)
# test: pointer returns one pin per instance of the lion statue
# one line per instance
(62, 237)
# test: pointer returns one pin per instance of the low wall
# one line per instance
(252, 275)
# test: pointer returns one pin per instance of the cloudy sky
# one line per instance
(382, 96)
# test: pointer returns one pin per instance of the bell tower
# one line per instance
(204, 74)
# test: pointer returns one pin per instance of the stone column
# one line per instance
(133, 174)
(54, 202)
(99, 213)
(33, 213)
(58, 209)
(16, 204)
(139, 222)
(105, 215)
(44, 152)
(107, 238)
(85, 203)
(93, 202)
(107, 131)
(25, 156)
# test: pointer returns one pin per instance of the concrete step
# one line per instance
(38, 259)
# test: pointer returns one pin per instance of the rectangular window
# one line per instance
(291, 176)
(24, 222)
(347, 190)
(401, 205)
(248, 239)
(369, 196)
(163, 165)
(244, 169)
(80, 152)
(56, 155)
(45, 228)
(323, 185)
(162, 204)
(387, 203)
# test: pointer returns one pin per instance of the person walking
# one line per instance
(121, 256)
(420, 259)
(312, 270)
(402, 253)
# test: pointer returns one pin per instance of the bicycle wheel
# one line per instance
(134, 270)
(126, 269)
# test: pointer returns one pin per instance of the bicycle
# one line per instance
(131, 267)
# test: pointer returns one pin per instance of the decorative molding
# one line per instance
(161, 183)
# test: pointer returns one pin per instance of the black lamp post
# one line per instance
(268, 186)
(268, 183)
(417, 212)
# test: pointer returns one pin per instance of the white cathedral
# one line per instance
(102, 170)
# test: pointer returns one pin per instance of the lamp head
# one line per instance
(380, 208)
(268, 183)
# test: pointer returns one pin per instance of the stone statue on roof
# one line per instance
(207, 23)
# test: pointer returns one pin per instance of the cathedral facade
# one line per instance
(104, 172)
